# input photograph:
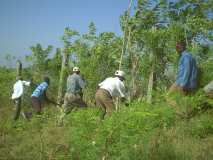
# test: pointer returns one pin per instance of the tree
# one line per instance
(97, 56)
(69, 34)
(155, 27)
(54, 64)
(10, 58)
(39, 59)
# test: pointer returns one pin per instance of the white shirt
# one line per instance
(18, 88)
(114, 86)
(209, 87)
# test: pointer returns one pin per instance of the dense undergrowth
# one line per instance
(155, 131)
(139, 131)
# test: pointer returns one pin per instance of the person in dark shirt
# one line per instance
(73, 96)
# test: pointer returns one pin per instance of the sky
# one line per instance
(24, 23)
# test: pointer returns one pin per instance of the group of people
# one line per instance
(186, 82)
(109, 88)
(38, 95)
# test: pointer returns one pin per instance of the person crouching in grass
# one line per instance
(39, 94)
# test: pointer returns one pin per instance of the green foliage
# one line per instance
(7, 78)
(97, 56)
(201, 127)
(39, 58)
(139, 131)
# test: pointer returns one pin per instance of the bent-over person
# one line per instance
(110, 88)
(74, 94)
(39, 95)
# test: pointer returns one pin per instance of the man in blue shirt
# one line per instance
(186, 80)
(39, 94)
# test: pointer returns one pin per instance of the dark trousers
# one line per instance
(17, 103)
(36, 103)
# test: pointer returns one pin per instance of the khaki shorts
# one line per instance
(73, 100)
(104, 100)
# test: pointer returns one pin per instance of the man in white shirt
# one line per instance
(108, 89)
(18, 90)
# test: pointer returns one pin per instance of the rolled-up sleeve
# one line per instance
(183, 72)
(26, 83)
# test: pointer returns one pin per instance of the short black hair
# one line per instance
(182, 43)
(47, 79)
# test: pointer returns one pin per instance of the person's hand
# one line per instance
(127, 104)
(123, 99)
(55, 103)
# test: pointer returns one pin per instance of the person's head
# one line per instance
(19, 78)
(76, 70)
(120, 74)
(180, 47)
(47, 79)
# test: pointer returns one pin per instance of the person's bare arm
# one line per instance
(49, 100)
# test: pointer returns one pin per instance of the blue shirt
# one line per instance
(39, 91)
(187, 71)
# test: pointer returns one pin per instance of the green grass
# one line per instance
(139, 131)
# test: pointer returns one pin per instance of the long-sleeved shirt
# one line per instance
(75, 83)
(39, 91)
(114, 86)
(18, 88)
(187, 72)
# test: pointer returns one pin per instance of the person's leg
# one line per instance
(208, 89)
(173, 92)
(175, 89)
(99, 103)
(210, 95)
(77, 101)
(68, 106)
(65, 104)
(108, 102)
(17, 108)
(36, 105)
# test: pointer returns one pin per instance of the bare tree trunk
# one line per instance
(124, 49)
(18, 68)
(125, 34)
(62, 76)
(151, 79)
(150, 85)
(133, 86)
